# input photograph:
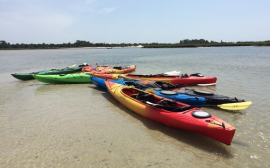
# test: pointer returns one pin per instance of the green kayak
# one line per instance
(67, 70)
(64, 78)
(24, 76)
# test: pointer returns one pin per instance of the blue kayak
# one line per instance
(191, 100)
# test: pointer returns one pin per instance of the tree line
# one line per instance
(205, 43)
(182, 44)
(78, 43)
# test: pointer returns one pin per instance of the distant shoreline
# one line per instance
(145, 47)
(84, 44)
(207, 45)
(64, 48)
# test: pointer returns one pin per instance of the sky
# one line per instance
(133, 21)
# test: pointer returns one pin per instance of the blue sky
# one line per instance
(133, 21)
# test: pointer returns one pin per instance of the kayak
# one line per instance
(193, 79)
(67, 70)
(210, 97)
(173, 114)
(64, 78)
(118, 76)
(191, 100)
(121, 70)
(108, 70)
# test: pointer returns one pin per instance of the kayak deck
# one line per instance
(65, 78)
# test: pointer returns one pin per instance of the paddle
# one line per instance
(96, 63)
(235, 106)
(230, 106)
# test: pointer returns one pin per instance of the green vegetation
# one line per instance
(204, 43)
(78, 43)
(182, 44)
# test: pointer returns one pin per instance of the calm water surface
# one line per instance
(44, 125)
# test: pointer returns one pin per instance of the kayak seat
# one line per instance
(167, 103)
(165, 85)
(196, 74)
(149, 98)
(169, 108)
(184, 75)
(143, 97)
(134, 96)
(118, 67)
(181, 108)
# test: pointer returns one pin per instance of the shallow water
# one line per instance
(44, 125)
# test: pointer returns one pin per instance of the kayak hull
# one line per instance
(23, 76)
(99, 82)
(176, 80)
(65, 78)
(210, 126)
(29, 76)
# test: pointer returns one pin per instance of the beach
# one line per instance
(79, 125)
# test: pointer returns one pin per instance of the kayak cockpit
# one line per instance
(158, 102)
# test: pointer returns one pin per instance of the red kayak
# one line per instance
(192, 79)
(171, 113)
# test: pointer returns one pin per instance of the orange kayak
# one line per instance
(121, 70)
(170, 113)
(108, 70)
